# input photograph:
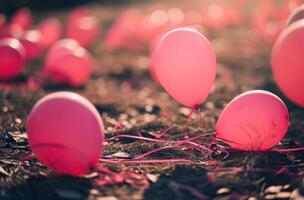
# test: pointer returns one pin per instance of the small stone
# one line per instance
(274, 189)
(27, 163)
(91, 175)
(283, 195)
(18, 120)
(296, 195)
(94, 192)
(154, 109)
(119, 154)
(148, 108)
(184, 111)
(223, 191)
(210, 105)
(152, 177)
(270, 196)
(285, 187)
(5, 109)
(107, 198)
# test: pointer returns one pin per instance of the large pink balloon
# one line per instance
(12, 56)
(253, 121)
(296, 15)
(185, 65)
(288, 62)
(65, 132)
(51, 30)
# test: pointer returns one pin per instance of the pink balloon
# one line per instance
(268, 20)
(296, 15)
(71, 69)
(65, 132)
(30, 40)
(125, 33)
(185, 65)
(288, 62)
(6, 32)
(215, 16)
(12, 56)
(68, 63)
(85, 30)
(60, 48)
(22, 19)
(78, 12)
(51, 30)
(253, 121)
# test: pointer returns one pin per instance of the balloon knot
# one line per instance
(196, 107)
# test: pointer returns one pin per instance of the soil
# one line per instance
(124, 93)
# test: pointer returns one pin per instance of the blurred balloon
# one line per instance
(125, 32)
(185, 65)
(6, 32)
(215, 16)
(82, 27)
(65, 132)
(253, 121)
(51, 30)
(12, 56)
(22, 19)
(68, 63)
(60, 48)
(268, 20)
(30, 40)
(288, 62)
(77, 13)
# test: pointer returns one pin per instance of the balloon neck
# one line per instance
(196, 107)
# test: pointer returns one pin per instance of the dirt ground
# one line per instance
(124, 93)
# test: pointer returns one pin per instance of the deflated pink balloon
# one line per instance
(84, 30)
(296, 15)
(185, 65)
(22, 19)
(288, 62)
(12, 56)
(68, 63)
(30, 40)
(65, 132)
(253, 121)
(51, 30)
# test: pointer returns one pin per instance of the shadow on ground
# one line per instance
(57, 187)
